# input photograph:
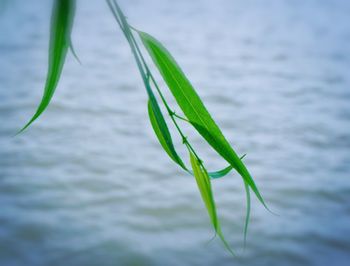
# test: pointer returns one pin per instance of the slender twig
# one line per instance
(181, 118)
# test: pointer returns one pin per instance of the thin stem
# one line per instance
(110, 4)
(181, 118)
(149, 72)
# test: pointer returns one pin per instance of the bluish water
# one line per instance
(88, 183)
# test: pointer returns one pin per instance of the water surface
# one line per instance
(88, 183)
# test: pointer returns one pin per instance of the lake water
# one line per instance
(88, 183)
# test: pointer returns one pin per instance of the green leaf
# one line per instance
(220, 173)
(61, 27)
(162, 132)
(193, 107)
(247, 217)
(204, 186)
(223, 172)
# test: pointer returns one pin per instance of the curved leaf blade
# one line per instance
(247, 216)
(222, 172)
(193, 107)
(61, 25)
(162, 132)
(204, 186)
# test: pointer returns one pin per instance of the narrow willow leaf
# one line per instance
(162, 132)
(247, 217)
(61, 27)
(193, 107)
(223, 172)
(220, 173)
(204, 185)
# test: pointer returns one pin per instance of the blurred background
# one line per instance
(88, 183)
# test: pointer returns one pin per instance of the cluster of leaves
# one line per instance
(194, 111)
